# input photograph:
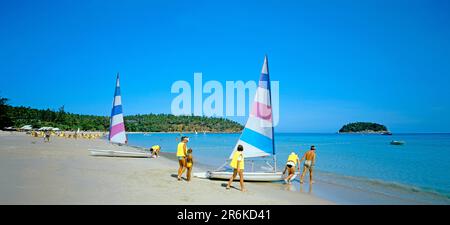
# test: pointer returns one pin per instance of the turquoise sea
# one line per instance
(417, 172)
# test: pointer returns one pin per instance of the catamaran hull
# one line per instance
(248, 176)
(114, 153)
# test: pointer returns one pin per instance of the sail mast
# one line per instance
(266, 59)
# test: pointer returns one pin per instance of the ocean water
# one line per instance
(417, 172)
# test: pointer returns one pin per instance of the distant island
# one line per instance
(364, 127)
(12, 116)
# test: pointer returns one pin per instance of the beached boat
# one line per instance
(257, 138)
(117, 133)
(115, 153)
(248, 176)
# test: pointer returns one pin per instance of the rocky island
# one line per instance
(364, 128)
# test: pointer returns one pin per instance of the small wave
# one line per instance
(393, 189)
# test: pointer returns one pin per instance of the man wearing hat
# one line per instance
(310, 161)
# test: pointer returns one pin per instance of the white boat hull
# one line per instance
(114, 153)
(248, 176)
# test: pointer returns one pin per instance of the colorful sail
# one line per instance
(257, 138)
(117, 128)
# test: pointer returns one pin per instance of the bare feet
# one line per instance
(243, 190)
(311, 182)
(228, 187)
(179, 178)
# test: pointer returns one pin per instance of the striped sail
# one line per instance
(117, 127)
(257, 138)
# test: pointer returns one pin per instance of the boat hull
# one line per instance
(248, 176)
(397, 143)
(114, 153)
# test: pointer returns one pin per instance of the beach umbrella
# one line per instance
(26, 127)
(46, 128)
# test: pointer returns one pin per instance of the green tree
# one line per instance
(363, 127)
(5, 119)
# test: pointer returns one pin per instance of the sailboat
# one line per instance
(257, 138)
(117, 133)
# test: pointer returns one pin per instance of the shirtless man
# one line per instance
(310, 161)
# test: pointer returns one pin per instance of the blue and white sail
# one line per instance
(117, 127)
(257, 138)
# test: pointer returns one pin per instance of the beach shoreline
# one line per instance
(63, 172)
(333, 185)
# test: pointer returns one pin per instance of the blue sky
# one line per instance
(336, 61)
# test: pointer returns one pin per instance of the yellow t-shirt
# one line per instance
(238, 157)
(293, 158)
(156, 147)
(180, 149)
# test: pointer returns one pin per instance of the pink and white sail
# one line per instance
(117, 127)
(257, 138)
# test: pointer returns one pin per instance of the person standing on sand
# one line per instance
(310, 161)
(189, 164)
(181, 155)
(290, 167)
(47, 136)
(237, 163)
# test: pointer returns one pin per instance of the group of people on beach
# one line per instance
(293, 161)
(186, 162)
(47, 134)
(185, 159)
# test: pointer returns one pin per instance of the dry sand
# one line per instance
(63, 172)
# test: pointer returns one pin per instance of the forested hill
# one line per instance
(20, 116)
(363, 127)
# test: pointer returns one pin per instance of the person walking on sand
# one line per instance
(237, 163)
(47, 136)
(189, 164)
(181, 155)
(291, 163)
(310, 161)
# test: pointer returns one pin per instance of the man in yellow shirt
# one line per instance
(237, 163)
(181, 155)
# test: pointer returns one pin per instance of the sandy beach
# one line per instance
(63, 172)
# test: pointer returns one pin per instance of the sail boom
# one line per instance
(250, 151)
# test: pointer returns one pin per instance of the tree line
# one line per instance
(363, 127)
(18, 116)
